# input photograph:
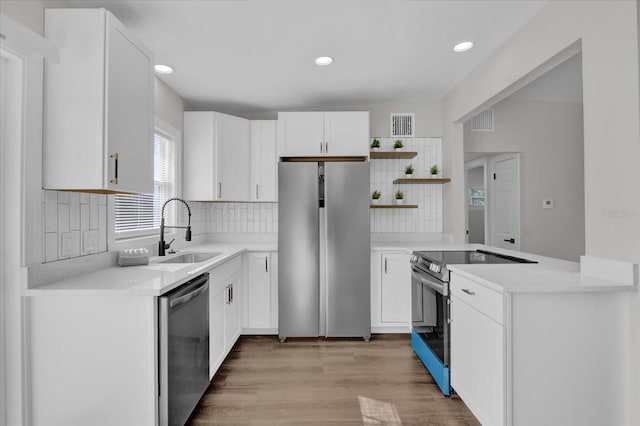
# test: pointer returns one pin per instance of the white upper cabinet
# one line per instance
(233, 158)
(314, 134)
(98, 105)
(216, 157)
(264, 161)
(346, 133)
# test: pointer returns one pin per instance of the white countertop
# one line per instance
(153, 279)
(537, 278)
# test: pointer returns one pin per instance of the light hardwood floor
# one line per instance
(326, 382)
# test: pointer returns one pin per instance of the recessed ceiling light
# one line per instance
(324, 60)
(462, 47)
(163, 69)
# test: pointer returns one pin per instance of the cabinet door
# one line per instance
(264, 160)
(395, 288)
(200, 178)
(346, 133)
(478, 362)
(217, 298)
(108, 74)
(129, 112)
(233, 158)
(259, 290)
(232, 319)
(300, 134)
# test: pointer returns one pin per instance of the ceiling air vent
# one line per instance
(403, 124)
(483, 121)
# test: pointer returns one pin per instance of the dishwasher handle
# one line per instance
(202, 286)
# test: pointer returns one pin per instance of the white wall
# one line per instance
(608, 35)
(428, 116)
(549, 136)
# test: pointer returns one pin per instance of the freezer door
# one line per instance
(348, 308)
(298, 252)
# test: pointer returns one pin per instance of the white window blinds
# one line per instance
(142, 211)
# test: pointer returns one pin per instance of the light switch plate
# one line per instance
(547, 204)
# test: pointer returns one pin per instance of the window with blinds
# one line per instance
(141, 212)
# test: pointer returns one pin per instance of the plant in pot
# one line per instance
(375, 197)
(375, 145)
(434, 170)
(399, 197)
(408, 171)
(397, 145)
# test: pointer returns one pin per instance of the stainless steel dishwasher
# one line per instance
(183, 349)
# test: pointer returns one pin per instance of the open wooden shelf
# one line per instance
(394, 206)
(422, 180)
(392, 154)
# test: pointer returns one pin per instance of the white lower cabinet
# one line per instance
(537, 358)
(225, 310)
(390, 292)
(261, 293)
(477, 356)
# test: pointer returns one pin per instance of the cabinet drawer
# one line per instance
(483, 299)
(221, 273)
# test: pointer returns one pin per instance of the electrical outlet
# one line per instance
(547, 204)
(89, 241)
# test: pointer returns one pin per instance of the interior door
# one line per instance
(505, 202)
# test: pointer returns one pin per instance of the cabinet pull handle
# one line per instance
(469, 292)
(228, 287)
(231, 285)
(219, 189)
(326, 147)
(115, 157)
(266, 264)
(321, 148)
(385, 265)
(257, 193)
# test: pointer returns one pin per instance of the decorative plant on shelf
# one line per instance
(408, 171)
(399, 197)
(434, 170)
(397, 145)
(375, 145)
(375, 196)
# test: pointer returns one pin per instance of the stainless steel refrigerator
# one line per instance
(324, 250)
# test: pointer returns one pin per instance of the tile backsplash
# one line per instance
(74, 223)
(243, 218)
(428, 216)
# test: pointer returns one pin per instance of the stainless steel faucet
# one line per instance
(162, 246)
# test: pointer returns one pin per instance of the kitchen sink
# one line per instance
(191, 258)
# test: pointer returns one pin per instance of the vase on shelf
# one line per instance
(375, 201)
(399, 201)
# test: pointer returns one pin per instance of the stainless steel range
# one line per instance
(430, 305)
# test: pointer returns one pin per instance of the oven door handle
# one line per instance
(438, 287)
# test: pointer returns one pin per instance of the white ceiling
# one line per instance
(247, 56)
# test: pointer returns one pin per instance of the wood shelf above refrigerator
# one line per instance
(394, 206)
(422, 180)
(392, 154)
